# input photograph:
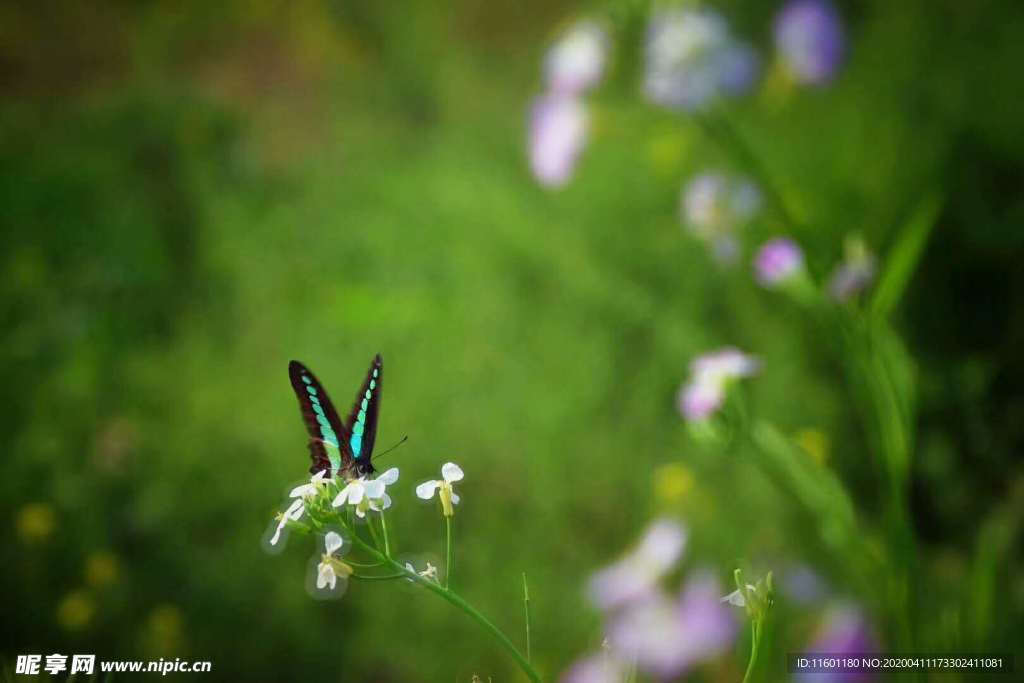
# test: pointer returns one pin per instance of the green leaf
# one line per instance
(901, 261)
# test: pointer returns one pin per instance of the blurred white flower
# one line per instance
(637, 574)
(576, 61)
(558, 132)
(430, 573)
(330, 568)
(450, 473)
(692, 59)
(710, 375)
(714, 206)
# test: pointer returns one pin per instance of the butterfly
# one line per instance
(339, 447)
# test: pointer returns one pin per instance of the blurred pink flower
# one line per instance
(596, 668)
(637, 574)
(666, 637)
(558, 132)
(710, 375)
(778, 260)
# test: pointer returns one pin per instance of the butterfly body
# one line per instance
(339, 447)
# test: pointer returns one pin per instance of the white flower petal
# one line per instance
(389, 477)
(304, 490)
(735, 598)
(355, 494)
(455, 498)
(380, 504)
(451, 472)
(332, 542)
(277, 534)
(374, 489)
(342, 497)
(294, 510)
(325, 575)
(427, 488)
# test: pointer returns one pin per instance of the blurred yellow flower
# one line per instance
(101, 568)
(814, 442)
(35, 522)
(164, 630)
(666, 151)
(76, 610)
(673, 482)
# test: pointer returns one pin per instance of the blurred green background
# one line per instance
(195, 193)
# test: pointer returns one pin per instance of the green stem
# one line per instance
(373, 532)
(526, 608)
(386, 577)
(724, 133)
(755, 648)
(448, 551)
(458, 602)
(384, 530)
(362, 565)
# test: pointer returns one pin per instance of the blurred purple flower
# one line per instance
(637, 574)
(803, 585)
(667, 637)
(558, 132)
(809, 38)
(778, 260)
(710, 375)
(854, 274)
(596, 668)
(576, 62)
(845, 632)
(692, 59)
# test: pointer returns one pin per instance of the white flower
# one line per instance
(298, 507)
(711, 375)
(312, 488)
(575, 63)
(558, 133)
(330, 568)
(450, 473)
(293, 512)
(430, 573)
(736, 597)
(368, 495)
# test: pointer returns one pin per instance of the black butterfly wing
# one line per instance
(325, 428)
(362, 421)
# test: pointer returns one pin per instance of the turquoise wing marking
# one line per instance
(323, 424)
(362, 421)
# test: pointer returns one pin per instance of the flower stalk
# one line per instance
(448, 551)
(452, 598)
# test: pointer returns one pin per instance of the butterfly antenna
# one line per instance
(382, 453)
